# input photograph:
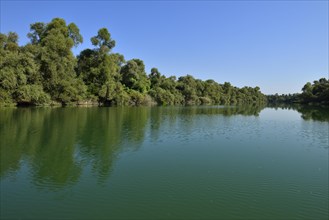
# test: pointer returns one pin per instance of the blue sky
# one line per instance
(277, 45)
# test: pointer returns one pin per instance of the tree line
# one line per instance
(46, 72)
(312, 93)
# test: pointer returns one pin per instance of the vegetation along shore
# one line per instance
(46, 72)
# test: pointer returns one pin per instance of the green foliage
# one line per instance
(20, 81)
(284, 98)
(100, 71)
(103, 41)
(37, 31)
(163, 90)
(45, 71)
(137, 98)
(162, 97)
(134, 76)
(29, 94)
(54, 42)
(74, 34)
(188, 87)
(316, 93)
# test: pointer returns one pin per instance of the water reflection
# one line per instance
(316, 113)
(248, 110)
(57, 144)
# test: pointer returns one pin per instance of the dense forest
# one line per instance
(46, 72)
(312, 93)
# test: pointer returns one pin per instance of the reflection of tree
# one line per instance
(58, 142)
(100, 139)
(247, 110)
(53, 159)
(186, 115)
(108, 131)
(191, 111)
(315, 113)
(309, 112)
(281, 106)
(10, 152)
(46, 137)
(156, 119)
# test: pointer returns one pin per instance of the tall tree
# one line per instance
(100, 70)
(57, 62)
(103, 41)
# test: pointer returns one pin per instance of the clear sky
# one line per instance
(277, 45)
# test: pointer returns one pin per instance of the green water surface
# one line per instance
(207, 162)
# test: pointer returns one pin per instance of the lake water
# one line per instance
(207, 162)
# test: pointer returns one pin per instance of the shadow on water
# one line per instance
(315, 113)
